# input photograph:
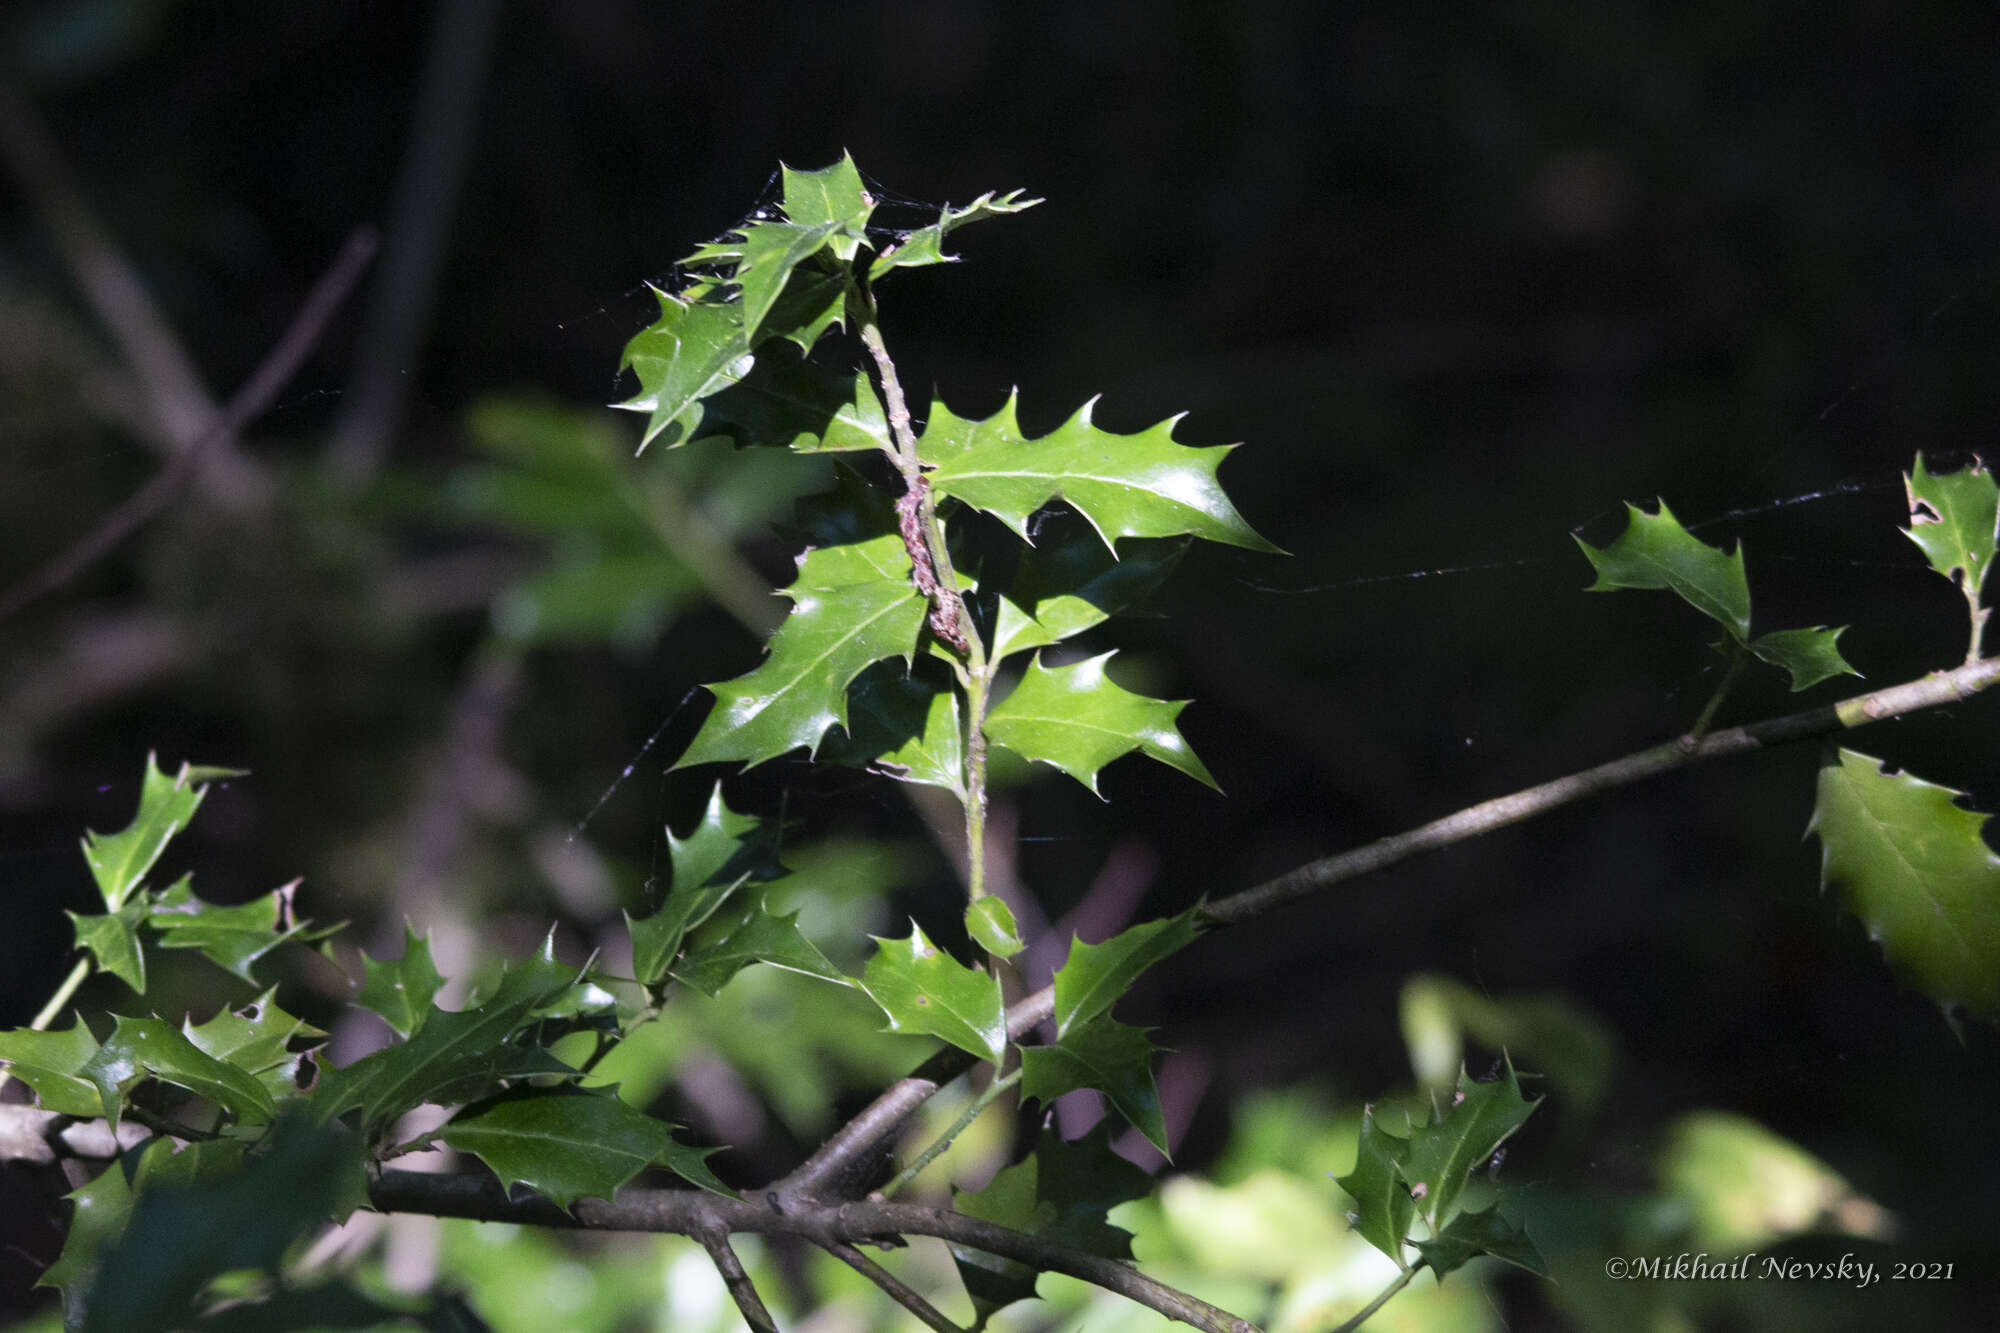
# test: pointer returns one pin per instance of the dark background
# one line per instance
(1463, 278)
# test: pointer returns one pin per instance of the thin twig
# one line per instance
(1367, 1311)
(742, 1290)
(885, 1115)
(904, 1295)
(973, 1107)
(250, 401)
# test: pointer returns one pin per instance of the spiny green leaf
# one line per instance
(926, 244)
(1062, 588)
(1912, 867)
(1078, 719)
(256, 1039)
(1105, 1054)
(233, 938)
(788, 402)
(560, 1142)
(833, 194)
(1460, 1138)
(1810, 655)
(1953, 519)
(453, 1056)
(721, 853)
(400, 992)
(762, 256)
(690, 352)
(118, 861)
(1142, 485)
(1060, 1192)
(1094, 976)
(49, 1063)
(1472, 1234)
(1655, 551)
(902, 724)
(1383, 1206)
(924, 989)
(113, 938)
(835, 630)
(139, 1047)
(98, 1213)
(990, 922)
(764, 937)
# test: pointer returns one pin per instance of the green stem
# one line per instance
(1737, 661)
(975, 783)
(1403, 1279)
(945, 1140)
(1978, 614)
(77, 976)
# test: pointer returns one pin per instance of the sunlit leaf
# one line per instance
(1655, 551)
(1473, 1234)
(118, 861)
(113, 939)
(1911, 865)
(1810, 655)
(1076, 718)
(1142, 485)
(1953, 519)
(924, 989)
(1109, 1056)
(142, 1047)
(926, 244)
(764, 937)
(990, 922)
(1094, 976)
(49, 1063)
(694, 349)
(833, 194)
(400, 992)
(561, 1142)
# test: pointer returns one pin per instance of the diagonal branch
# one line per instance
(904, 1295)
(884, 1117)
(715, 1239)
(264, 385)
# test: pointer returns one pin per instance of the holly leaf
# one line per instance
(990, 922)
(720, 854)
(1060, 1192)
(400, 992)
(694, 349)
(454, 1055)
(833, 194)
(1472, 1234)
(113, 938)
(1077, 719)
(49, 1063)
(1109, 1056)
(1911, 865)
(98, 1213)
(1383, 1206)
(256, 1039)
(925, 245)
(924, 989)
(233, 938)
(1953, 520)
(846, 615)
(561, 1142)
(1142, 485)
(764, 937)
(761, 257)
(118, 861)
(1063, 588)
(787, 401)
(143, 1047)
(1461, 1137)
(1655, 551)
(1094, 976)
(1810, 655)
(902, 724)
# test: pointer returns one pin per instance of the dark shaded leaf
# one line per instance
(400, 992)
(763, 937)
(139, 1047)
(1461, 1137)
(903, 724)
(1810, 655)
(1109, 1056)
(561, 1142)
(722, 852)
(1094, 976)
(113, 939)
(1472, 1234)
(1383, 1206)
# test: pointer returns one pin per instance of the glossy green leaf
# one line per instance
(764, 937)
(1076, 718)
(925, 245)
(1094, 976)
(233, 938)
(832, 194)
(113, 939)
(256, 1039)
(142, 1047)
(1383, 1206)
(118, 861)
(1461, 1137)
(454, 1056)
(1810, 655)
(693, 350)
(99, 1211)
(1107, 1055)
(720, 854)
(1062, 588)
(924, 989)
(786, 401)
(49, 1063)
(904, 725)
(400, 992)
(1473, 1234)
(1953, 520)
(560, 1142)
(1142, 485)
(835, 630)
(1060, 1192)
(1911, 865)
(762, 256)
(1655, 551)
(990, 922)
